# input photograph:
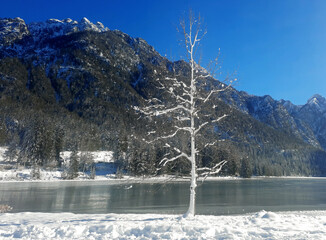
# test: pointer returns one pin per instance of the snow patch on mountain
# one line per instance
(54, 27)
(289, 106)
(12, 30)
(25, 40)
(318, 102)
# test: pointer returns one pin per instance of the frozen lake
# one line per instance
(213, 197)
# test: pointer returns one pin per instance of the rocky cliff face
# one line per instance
(312, 114)
(282, 115)
(12, 30)
(80, 73)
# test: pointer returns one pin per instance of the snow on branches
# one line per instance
(187, 101)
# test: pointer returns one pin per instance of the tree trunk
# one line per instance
(193, 184)
(192, 203)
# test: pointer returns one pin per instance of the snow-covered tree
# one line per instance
(190, 105)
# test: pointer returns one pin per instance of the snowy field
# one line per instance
(19, 173)
(98, 156)
(261, 225)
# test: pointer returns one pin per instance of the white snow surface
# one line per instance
(261, 225)
(24, 174)
(98, 156)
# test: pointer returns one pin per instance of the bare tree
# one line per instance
(190, 98)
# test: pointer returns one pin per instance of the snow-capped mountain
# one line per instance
(68, 73)
(282, 114)
(54, 27)
(25, 40)
(313, 113)
(318, 103)
(12, 30)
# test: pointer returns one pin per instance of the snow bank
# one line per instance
(24, 174)
(98, 156)
(9, 172)
(261, 225)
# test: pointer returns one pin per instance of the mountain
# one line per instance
(313, 113)
(66, 84)
(282, 115)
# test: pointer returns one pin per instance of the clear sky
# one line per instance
(277, 47)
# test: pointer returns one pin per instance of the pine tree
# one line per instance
(246, 169)
(73, 165)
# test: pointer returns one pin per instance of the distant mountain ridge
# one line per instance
(15, 29)
(313, 113)
(301, 120)
(86, 79)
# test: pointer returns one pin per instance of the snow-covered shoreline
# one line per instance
(261, 225)
(24, 175)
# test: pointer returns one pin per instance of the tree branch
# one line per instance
(162, 137)
(205, 123)
(157, 111)
(211, 171)
(187, 129)
(164, 161)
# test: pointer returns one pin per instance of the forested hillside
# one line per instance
(68, 85)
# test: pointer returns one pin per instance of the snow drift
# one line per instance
(261, 225)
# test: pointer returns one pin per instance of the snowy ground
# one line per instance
(261, 225)
(97, 156)
(9, 171)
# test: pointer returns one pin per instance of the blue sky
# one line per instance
(277, 47)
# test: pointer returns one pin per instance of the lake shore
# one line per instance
(24, 175)
(260, 225)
